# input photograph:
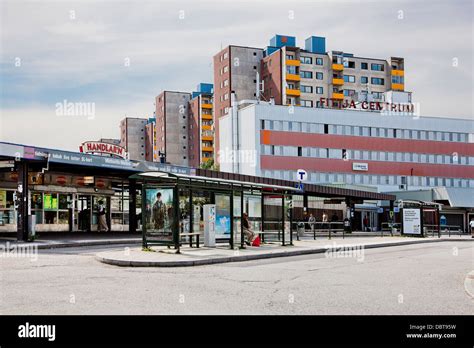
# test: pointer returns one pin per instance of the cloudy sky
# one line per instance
(120, 54)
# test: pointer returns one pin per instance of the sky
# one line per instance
(117, 56)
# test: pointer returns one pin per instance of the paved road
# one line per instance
(414, 279)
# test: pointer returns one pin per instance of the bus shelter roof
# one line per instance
(194, 180)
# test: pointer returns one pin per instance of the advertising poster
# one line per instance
(159, 213)
(222, 215)
(411, 221)
(3, 199)
(50, 201)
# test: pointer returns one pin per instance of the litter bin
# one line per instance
(300, 229)
(347, 226)
(31, 226)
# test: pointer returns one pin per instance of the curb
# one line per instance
(241, 258)
(81, 244)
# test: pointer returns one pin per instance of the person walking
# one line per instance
(102, 220)
(325, 220)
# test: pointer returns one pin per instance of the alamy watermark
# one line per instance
(67, 108)
(9, 250)
(238, 156)
(356, 251)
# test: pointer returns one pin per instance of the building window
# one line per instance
(226, 69)
(326, 129)
(377, 95)
(377, 81)
(306, 60)
(350, 64)
(377, 67)
(364, 66)
(306, 89)
(307, 103)
(306, 74)
(319, 61)
(349, 92)
(300, 151)
(319, 76)
(349, 78)
(319, 90)
(364, 80)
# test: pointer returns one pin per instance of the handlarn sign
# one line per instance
(98, 147)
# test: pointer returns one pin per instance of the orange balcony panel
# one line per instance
(338, 96)
(206, 117)
(207, 138)
(206, 127)
(337, 67)
(293, 62)
(338, 82)
(398, 73)
(293, 77)
(398, 86)
(206, 106)
(208, 148)
(205, 159)
(293, 92)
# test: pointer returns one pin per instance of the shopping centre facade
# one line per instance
(48, 190)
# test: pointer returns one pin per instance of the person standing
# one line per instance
(311, 222)
(102, 220)
(366, 223)
(471, 224)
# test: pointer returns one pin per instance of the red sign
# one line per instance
(103, 148)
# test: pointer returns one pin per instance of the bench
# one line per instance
(191, 235)
(263, 233)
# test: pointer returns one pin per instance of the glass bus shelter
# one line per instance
(173, 207)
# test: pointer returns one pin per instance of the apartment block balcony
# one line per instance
(293, 77)
(206, 117)
(207, 148)
(293, 92)
(207, 138)
(398, 86)
(206, 106)
(205, 159)
(336, 95)
(293, 62)
(337, 81)
(206, 127)
(398, 72)
(337, 67)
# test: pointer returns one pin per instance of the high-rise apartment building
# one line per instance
(132, 137)
(151, 148)
(172, 126)
(201, 126)
(235, 70)
(312, 77)
(309, 77)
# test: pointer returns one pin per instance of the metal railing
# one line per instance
(329, 227)
(391, 227)
(442, 229)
